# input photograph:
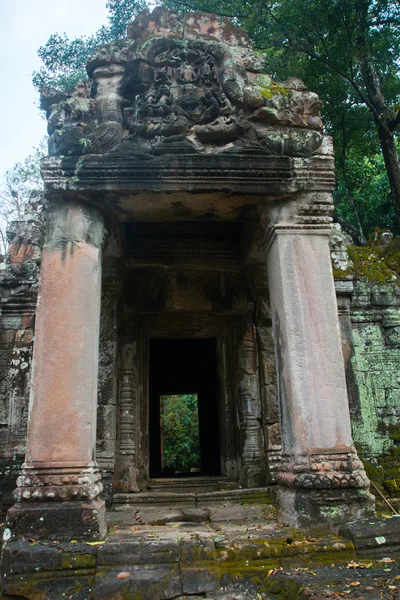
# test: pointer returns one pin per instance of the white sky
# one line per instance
(24, 26)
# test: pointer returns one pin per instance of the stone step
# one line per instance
(204, 498)
(191, 484)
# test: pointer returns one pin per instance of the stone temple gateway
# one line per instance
(188, 212)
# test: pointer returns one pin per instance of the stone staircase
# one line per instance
(194, 492)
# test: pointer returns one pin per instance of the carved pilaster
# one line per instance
(257, 276)
(250, 408)
(320, 474)
(59, 484)
(127, 471)
(106, 441)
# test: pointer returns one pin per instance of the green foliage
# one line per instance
(362, 194)
(16, 187)
(64, 60)
(179, 422)
(348, 51)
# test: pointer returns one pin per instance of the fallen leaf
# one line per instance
(354, 584)
(95, 543)
(124, 575)
(386, 560)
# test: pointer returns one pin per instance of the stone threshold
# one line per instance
(264, 495)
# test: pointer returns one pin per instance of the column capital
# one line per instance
(73, 222)
(306, 213)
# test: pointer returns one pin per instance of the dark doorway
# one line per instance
(185, 367)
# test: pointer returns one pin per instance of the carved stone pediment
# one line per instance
(188, 84)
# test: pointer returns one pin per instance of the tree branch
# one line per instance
(187, 5)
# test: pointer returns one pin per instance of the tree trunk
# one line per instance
(392, 162)
(377, 103)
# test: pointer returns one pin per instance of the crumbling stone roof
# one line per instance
(182, 85)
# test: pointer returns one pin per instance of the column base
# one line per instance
(331, 507)
(326, 488)
(64, 520)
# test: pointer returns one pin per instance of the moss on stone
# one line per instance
(386, 475)
(341, 273)
(269, 88)
(78, 561)
(369, 263)
(376, 261)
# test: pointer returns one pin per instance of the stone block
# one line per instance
(130, 581)
(139, 552)
(54, 587)
(199, 581)
(57, 520)
(196, 550)
(375, 537)
(25, 557)
(11, 322)
(35, 571)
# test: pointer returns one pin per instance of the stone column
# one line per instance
(59, 485)
(321, 477)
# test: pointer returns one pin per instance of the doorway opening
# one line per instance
(183, 411)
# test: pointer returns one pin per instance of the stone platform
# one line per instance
(227, 551)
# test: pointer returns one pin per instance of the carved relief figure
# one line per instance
(206, 91)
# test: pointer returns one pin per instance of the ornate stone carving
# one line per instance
(60, 483)
(181, 86)
(25, 237)
(250, 407)
(324, 471)
(126, 469)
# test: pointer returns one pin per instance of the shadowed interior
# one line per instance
(181, 366)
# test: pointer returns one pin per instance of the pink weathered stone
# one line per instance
(313, 387)
(62, 422)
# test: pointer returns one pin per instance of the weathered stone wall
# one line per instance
(369, 311)
(18, 291)
(375, 314)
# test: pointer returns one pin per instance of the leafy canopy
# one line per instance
(179, 421)
(64, 60)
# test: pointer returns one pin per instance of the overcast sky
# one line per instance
(24, 26)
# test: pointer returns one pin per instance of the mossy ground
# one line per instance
(375, 262)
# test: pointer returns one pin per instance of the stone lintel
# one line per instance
(234, 173)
